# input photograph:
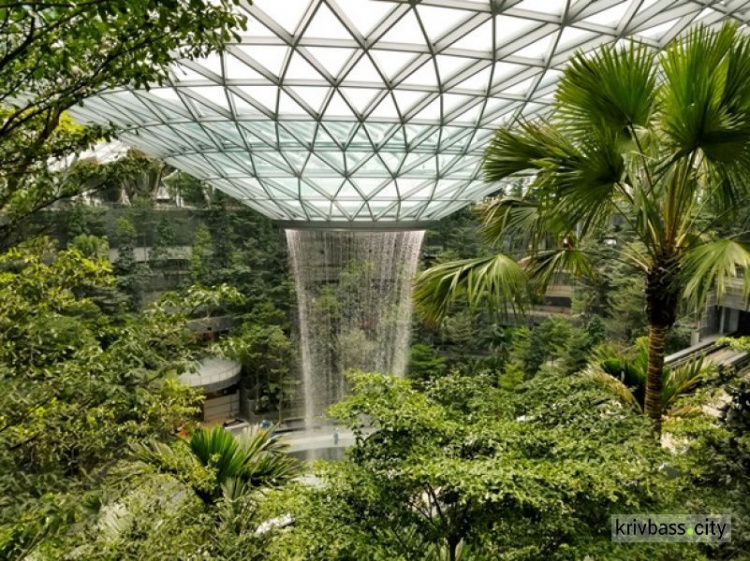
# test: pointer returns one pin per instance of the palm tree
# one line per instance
(657, 142)
(626, 377)
(254, 459)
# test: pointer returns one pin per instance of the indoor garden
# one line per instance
(443, 280)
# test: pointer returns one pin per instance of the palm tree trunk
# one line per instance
(657, 339)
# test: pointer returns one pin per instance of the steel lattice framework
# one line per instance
(375, 110)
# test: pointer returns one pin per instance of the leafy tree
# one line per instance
(494, 474)
(265, 353)
(76, 388)
(425, 363)
(656, 153)
(200, 258)
(91, 247)
(164, 241)
(54, 55)
(83, 219)
(187, 189)
(130, 274)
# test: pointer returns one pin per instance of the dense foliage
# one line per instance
(53, 55)
(466, 470)
(76, 387)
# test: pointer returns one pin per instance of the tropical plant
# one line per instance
(216, 464)
(654, 143)
(76, 386)
(626, 376)
(464, 466)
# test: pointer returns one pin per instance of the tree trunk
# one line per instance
(657, 338)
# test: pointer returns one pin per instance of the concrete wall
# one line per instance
(219, 409)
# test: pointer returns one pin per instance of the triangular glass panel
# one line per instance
(363, 71)
(449, 66)
(355, 158)
(182, 73)
(508, 28)
(536, 50)
(519, 89)
(264, 95)
(425, 75)
(313, 96)
(334, 158)
(360, 98)
(288, 106)
(300, 69)
(325, 25)
(347, 191)
(236, 69)
(214, 94)
(386, 109)
(438, 21)
(478, 82)
(391, 63)
(242, 107)
(407, 99)
(287, 13)
(366, 15)
(337, 107)
(406, 30)
(479, 39)
(548, 7)
(360, 140)
(330, 58)
(367, 185)
(430, 112)
(657, 32)
(271, 57)
(340, 131)
(610, 17)
(451, 102)
(572, 37)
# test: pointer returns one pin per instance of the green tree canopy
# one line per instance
(54, 55)
(465, 467)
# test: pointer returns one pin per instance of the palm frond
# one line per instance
(524, 147)
(612, 90)
(509, 216)
(542, 266)
(615, 386)
(705, 105)
(497, 281)
(712, 265)
(587, 187)
(684, 378)
(218, 448)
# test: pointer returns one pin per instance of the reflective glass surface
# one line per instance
(374, 110)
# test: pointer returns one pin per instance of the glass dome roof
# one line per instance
(374, 110)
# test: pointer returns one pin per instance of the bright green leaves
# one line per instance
(524, 148)
(498, 281)
(612, 90)
(215, 463)
(54, 55)
(692, 97)
(721, 265)
(705, 107)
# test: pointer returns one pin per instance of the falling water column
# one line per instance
(354, 306)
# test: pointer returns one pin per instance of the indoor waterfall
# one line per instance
(354, 306)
